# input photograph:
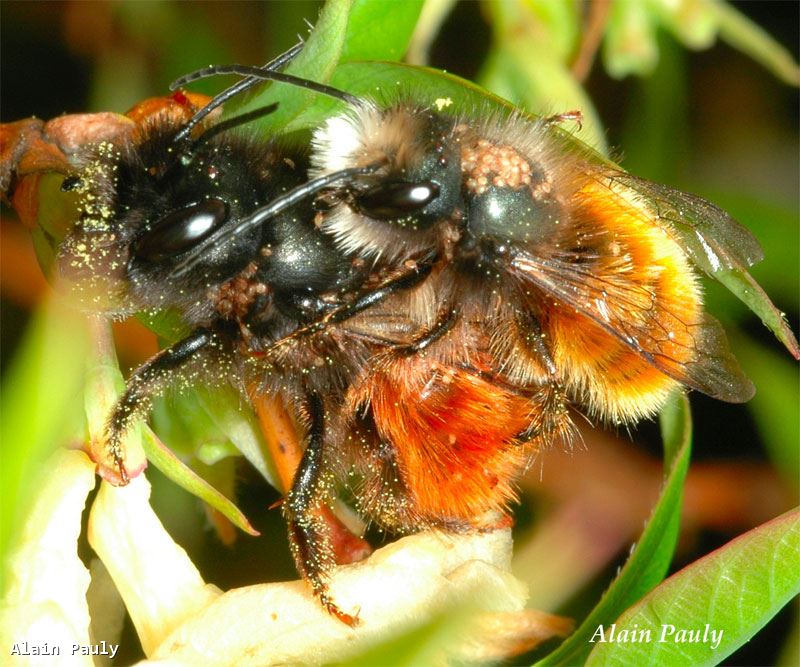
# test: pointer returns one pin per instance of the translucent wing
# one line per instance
(695, 354)
(712, 239)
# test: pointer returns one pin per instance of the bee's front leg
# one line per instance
(308, 532)
(148, 381)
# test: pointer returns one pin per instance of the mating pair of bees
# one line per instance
(429, 295)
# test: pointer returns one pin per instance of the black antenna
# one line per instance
(239, 87)
(235, 121)
(272, 209)
(267, 75)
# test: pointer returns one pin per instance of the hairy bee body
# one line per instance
(540, 283)
(428, 296)
(149, 206)
(573, 277)
(560, 283)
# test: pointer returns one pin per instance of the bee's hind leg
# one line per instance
(308, 533)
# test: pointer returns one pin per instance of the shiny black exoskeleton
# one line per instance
(171, 210)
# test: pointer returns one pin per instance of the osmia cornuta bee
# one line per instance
(554, 280)
(427, 294)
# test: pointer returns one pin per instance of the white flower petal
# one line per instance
(397, 588)
(159, 583)
(45, 604)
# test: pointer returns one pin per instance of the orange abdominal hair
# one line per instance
(652, 289)
(455, 436)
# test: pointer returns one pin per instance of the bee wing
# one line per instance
(630, 313)
(713, 240)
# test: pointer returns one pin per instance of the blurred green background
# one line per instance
(712, 121)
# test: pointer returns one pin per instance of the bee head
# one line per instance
(151, 207)
(417, 182)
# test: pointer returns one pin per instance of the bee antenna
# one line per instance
(275, 207)
(268, 75)
(237, 88)
(235, 121)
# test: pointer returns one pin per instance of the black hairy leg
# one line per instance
(308, 532)
(146, 383)
(446, 321)
(549, 414)
(406, 278)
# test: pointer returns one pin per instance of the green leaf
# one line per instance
(734, 591)
(742, 285)
(345, 31)
(40, 405)
(316, 61)
(427, 84)
(176, 470)
(380, 30)
(742, 34)
(774, 224)
(388, 82)
(650, 559)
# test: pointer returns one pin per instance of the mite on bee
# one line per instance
(428, 295)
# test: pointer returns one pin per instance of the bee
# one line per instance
(221, 228)
(555, 282)
(427, 295)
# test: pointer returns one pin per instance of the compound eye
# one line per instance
(397, 199)
(181, 230)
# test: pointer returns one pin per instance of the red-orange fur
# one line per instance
(454, 436)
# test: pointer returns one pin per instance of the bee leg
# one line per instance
(443, 324)
(407, 278)
(574, 115)
(148, 380)
(310, 541)
(481, 524)
(286, 450)
(550, 417)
